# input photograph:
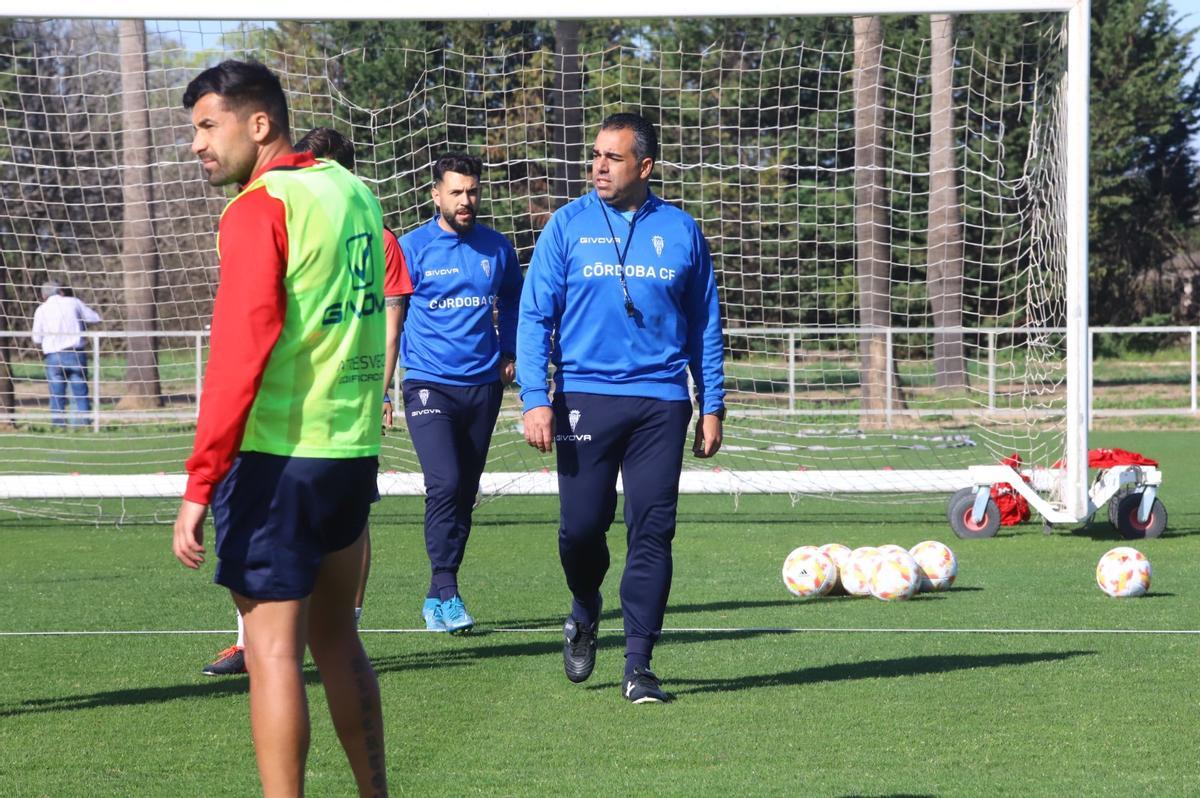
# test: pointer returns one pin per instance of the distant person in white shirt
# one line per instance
(58, 325)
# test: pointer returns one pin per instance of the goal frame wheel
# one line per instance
(1115, 502)
(1127, 518)
(954, 497)
(962, 521)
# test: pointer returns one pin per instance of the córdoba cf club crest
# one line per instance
(423, 395)
(573, 419)
(487, 267)
(658, 244)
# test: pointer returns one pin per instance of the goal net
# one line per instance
(884, 197)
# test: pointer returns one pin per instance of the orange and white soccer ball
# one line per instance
(897, 576)
(1123, 572)
(891, 548)
(860, 567)
(807, 572)
(840, 555)
(938, 565)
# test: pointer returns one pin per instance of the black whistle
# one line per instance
(629, 308)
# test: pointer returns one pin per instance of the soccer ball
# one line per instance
(892, 548)
(807, 572)
(938, 565)
(1123, 572)
(840, 555)
(897, 576)
(860, 567)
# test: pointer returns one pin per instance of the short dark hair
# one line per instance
(458, 162)
(325, 142)
(243, 85)
(645, 139)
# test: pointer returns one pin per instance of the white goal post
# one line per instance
(870, 348)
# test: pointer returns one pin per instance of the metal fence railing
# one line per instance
(182, 386)
(984, 341)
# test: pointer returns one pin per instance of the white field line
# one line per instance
(668, 630)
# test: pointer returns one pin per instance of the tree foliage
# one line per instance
(1144, 183)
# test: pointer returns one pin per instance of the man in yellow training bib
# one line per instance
(287, 442)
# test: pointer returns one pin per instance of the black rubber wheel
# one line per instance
(965, 527)
(1115, 502)
(954, 497)
(1127, 518)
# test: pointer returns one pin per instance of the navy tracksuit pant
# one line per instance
(451, 429)
(597, 437)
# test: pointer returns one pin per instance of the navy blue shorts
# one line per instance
(278, 517)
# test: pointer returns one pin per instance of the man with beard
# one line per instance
(456, 365)
(287, 441)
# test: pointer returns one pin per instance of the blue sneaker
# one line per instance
(431, 612)
(455, 617)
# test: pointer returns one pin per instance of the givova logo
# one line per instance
(339, 312)
(573, 420)
(359, 261)
(361, 265)
(423, 397)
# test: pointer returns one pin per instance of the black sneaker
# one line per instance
(579, 649)
(643, 687)
(229, 662)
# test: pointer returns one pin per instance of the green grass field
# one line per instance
(866, 699)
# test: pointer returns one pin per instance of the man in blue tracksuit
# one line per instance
(620, 296)
(456, 366)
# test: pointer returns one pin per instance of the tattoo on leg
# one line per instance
(372, 736)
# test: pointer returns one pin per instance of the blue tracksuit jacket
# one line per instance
(448, 335)
(573, 311)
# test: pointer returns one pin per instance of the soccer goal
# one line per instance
(895, 198)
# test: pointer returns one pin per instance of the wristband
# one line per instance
(387, 400)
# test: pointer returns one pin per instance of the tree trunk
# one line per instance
(872, 243)
(945, 236)
(567, 136)
(139, 253)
